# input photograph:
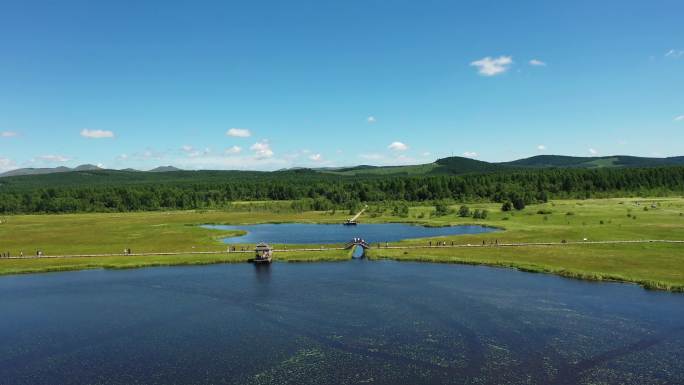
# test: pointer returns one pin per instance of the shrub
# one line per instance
(464, 211)
(544, 212)
(518, 203)
(507, 206)
(400, 210)
(480, 214)
(570, 213)
(441, 209)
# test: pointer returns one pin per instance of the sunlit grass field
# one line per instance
(653, 265)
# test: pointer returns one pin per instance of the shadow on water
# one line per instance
(570, 374)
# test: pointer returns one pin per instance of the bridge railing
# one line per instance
(361, 243)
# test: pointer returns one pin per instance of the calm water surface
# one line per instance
(356, 322)
(302, 233)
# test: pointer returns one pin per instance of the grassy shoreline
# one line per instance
(534, 267)
(31, 266)
(652, 266)
(48, 265)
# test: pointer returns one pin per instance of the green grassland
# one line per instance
(652, 265)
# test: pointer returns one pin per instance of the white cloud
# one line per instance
(393, 160)
(371, 156)
(7, 164)
(593, 151)
(215, 162)
(398, 146)
(233, 150)
(150, 153)
(537, 63)
(403, 159)
(488, 66)
(679, 118)
(541, 147)
(96, 134)
(262, 150)
(239, 132)
(8, 134)
(316, 157)
(470, 154)
(426, 153)
(674, 53)
(54, 158)
(194, 152)
(371, 119)
(122, 157)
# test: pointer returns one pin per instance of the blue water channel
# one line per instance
(304, 233)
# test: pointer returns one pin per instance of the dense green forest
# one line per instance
(102, 191)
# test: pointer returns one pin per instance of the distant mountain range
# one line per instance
(445, 166)
(41, 171)
(83, 167)
(543, 161)
(165, 169)
(459, 165)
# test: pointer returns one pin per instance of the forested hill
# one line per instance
(456, 165)
(545, 161)
(107, 190)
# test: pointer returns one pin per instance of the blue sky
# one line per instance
(330, 83)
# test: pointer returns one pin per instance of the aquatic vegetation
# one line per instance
(356, 322)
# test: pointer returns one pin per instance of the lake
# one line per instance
(354, 322)
(303, 233)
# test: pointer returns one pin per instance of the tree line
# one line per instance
(326, 192)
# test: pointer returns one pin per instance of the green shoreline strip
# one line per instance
(653, 266)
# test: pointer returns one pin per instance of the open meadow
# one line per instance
(655, 265)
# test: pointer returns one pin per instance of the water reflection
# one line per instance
(359, 252)
(262, 272)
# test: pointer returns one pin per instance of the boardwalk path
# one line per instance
(355, 217)
(318, 249)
